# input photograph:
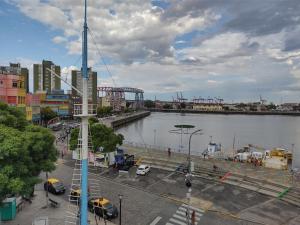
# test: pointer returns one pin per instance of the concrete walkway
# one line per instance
(282, 177)
(39, 209)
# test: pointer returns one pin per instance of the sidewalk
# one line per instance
(37, 209)
(272, 175)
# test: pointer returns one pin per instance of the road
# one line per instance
(159, 199)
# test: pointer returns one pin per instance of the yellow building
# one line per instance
(208, 107)
(29, 113)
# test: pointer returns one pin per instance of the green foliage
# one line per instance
(93, 120)
(271, 106)
(74, 138)
(12, 117)
(167, 106)
(182, 105)
(47, 114)
(149, 104)
(105, 137)
(104, 111)
(25, 151)
(102, 136)
(128, 110)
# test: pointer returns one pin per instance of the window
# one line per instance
(15, 84)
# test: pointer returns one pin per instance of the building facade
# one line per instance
(58, 101)
(208, 107)
(92, 85)
(12, 86)
(45, 80)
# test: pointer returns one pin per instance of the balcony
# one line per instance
(77, 110)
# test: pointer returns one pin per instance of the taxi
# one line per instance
(54, 186)
(102, 207)
(75, 194)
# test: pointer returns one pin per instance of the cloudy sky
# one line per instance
(235, 49)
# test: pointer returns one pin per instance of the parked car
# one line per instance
(143, 170)
(54, 186)
(75, 194)
(102, 207)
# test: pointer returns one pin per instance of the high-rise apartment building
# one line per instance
(45, 80)
(92, 84)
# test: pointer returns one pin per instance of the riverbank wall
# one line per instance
(115, 122)
(226, 112)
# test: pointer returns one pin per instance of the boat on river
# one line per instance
(213, 150)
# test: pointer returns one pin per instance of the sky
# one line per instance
(235, 49)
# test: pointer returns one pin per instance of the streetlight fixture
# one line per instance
(120, 216)
(189, 155)
(188, 176)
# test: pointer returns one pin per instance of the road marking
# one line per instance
(159, 180)
(180, 216)
(191, 207)
(177, 221)
(155, 221)
(185, 209)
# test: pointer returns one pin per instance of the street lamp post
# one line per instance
(154, 138)
(189, 155)
(120, 216)
(188, 177)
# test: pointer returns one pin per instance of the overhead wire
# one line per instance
(101, 57)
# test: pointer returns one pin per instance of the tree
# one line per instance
(47, 114)
(149, 104)
(167, 106)
(12, 117)
(102, 136)
(182, 105)
(25, 151)
(104, 111)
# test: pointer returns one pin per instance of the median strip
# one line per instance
(225, 176)
(283, 193)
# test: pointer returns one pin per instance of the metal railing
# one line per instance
(77, 110)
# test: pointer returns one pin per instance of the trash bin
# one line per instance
(8, 209)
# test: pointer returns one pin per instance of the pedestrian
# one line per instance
(169, 152)
(62, 154)
(193, 217)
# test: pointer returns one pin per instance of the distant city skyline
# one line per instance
(234, 49)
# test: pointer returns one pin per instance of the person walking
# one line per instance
(169, 152)
(193, 218)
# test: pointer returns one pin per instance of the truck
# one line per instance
(123, 161)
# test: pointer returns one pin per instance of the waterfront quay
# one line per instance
(160, 197)
(117, 121)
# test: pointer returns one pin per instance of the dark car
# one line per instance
(54, 186)
(102, 207)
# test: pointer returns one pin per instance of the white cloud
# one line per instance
(138, 38)
(59, 39)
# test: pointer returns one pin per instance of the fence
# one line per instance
(161, 148)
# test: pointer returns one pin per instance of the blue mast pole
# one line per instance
(84, 153)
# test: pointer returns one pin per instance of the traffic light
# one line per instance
(188, 183)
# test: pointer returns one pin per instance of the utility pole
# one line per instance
(84, 124)
(120, 215)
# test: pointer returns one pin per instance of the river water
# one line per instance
(265, 131)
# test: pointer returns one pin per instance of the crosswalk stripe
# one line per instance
(169, 223)
(155, 221)
(177, 221)
(180, 217)
(185, 209)
(191, 207)
(184, 217)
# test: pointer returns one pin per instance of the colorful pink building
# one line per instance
(12, 90)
